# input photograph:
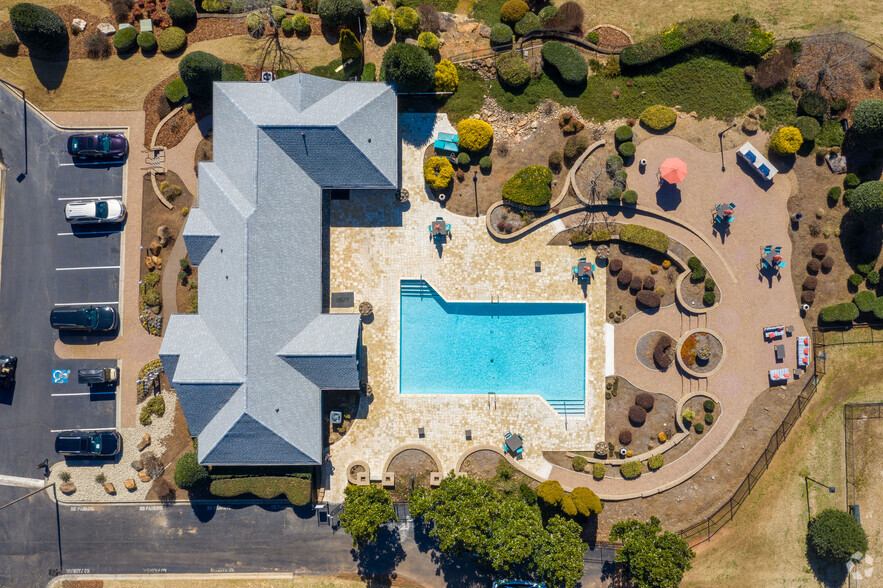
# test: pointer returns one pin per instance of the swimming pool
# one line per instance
(481, 347)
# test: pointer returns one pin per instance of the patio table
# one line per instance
(780, 352)
(768, 260)
(438, 228)
(720, 214)
(513, 443)
(584, 270)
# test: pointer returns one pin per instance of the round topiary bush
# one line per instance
(428, 41)
(9, 43)
(635, 284)
(567, 61)
(615, 265)
(172, 40)
(406, 20)
(124, 40)
(626, 149)
(786, 141)
(302, 26)
(809, 127)
(598, 471)
(475, 135)
(867, 121)
(813, 104)
(637, 415)
(630, 197)
(708, 405)
(199, 70)
(625, 437)
(813, 266)
(189, 474)
(182, 12)
(659, 117)
(409, 67)
(623, 134)
(699, 428)
(381, 20)
(529, 22)
(630, 470)
(867, 202)
(485, 164)
(709, 418)
(810, 283)
(555, 159)
(827, 264)
(512, 11)
(613, 164)
(624, 278)
(807, 296)
(463, 159)
(575, 146)
(709, 298)
(645, 400)
(147, 42)
(834, 194)
(438, 172)
(446, 77)
(176, 90)
(579, 463)
(820, 250)
(655, 462)
(501, 34)
(547, 13)
(835, 535)
(287, 26)
(38, 28)
(865, 301)
(512, 69)
(341, 13)
(851, 181)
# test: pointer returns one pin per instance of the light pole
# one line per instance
(720, 137)
(807, 480)
(475, 183)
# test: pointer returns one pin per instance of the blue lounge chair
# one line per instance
(763, 169)
(782, 264)
(767, 249)
(750, 156)
(446, 146)
(449, 137)
(730, 219)
(732, 205)
(777, 250)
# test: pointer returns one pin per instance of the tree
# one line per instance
(867, 121)
(199, 70)
(189, 474)
(560, 551)
(272, 54)
(341, 13)
(365, 510)
(513, 537)
(551, 493)
(835, 535)
(651, 560)
(182, 13)
(587, 502)
(38, 28)
(350, 48)
(409, 67)
(833, 60)
(866, 202)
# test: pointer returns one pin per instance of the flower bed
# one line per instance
(701, 352)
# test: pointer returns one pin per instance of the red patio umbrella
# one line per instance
(673, 170)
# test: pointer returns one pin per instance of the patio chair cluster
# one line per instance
(758, 162)
(723, 213)
(771, 333)
(584, 270)
(438, 229)
(447, 142)
(513, 444)
(772, 258)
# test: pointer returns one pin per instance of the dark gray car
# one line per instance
(84, 318)
(88, 443)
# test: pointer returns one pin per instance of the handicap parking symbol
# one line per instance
(60, 376)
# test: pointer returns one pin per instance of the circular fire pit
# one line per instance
(700, 352)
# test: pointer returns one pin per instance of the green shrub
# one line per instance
(709, 298)
(147, 42)
(867, 121)
(567, 61)
(623, 134)
(709, 418)
(835, 535)
(38, 28)
(369, 72)
(699, 428)
(447, 78)
(630, 197)
(614, 193)
(406, 20)
(501, 34)
(658, 117)
(485, 164)
(547, 13)
(428, 41)
(301, 23)
(866, 201)
(598, 471)
(639, 235)
(864, 268)
(438, 172)
(475, 135)
(172, 40)
(409, 67)
(255, 25)
(151, 297)
(296, 490)
(593, 37)
(340, 13)
(601, 236)
(463, 159)
(182, 12)
(855, 279)
(851, 181)
(189, 474)
(381, 20)
(837, 313)
(555, 159)
(631, 470)
(742, 36)
(613, 164)
(575, 146)
(626, 149)
(151, 279)
(529, 186)
(529, 22)
(199, 70)
(831, 135)
(512, 70)
(579, 463)
(655, 462)
(512, 11)
(708, 405)
(349, 46)
(176, 90)
(809, 127)
(698, 271)
(586, 502)
(834, 193)
(154, 406)
(709, 285)
(287, 26)
(232, 72)
(812, 104)
(9, 43)
(873, 277)
(124, 40)
(865, 301)
(550, 493)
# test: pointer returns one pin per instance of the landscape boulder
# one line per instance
(68, 487)
(109, 488)
(145, 441)
(130, 485)
(136, 465)
(144, 476)
(79, 23)
(107, 29)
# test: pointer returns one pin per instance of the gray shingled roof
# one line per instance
(250, 367)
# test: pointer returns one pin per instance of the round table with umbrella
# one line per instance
(673, 170)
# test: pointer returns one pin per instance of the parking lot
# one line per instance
(77, 406)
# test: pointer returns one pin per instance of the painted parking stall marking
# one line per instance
(60, 376)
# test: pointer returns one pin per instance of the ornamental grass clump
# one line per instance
(530, 186)
(631, 470)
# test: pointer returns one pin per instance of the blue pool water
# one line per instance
(480, 347)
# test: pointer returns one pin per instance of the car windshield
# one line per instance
(92, 318)
(95, 443)
(101, 209)
(75, 145)
(104, 143)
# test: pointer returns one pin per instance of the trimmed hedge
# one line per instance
(639, 235)
(813, 104)
(655, 462)
(867, 201)
(547, 13)
(839, 313)
(637, 415)
(625, 437)
(182, 12)
(409, 67)
(199, 70)
(38, 28)
(865, 301)
(626, 149)
(658, 117)
(232, 72)
(340, 13)
(598, 471)
(463, 159)
(406, 20)
(630, 197)
(381, 20)
(578, 463)
(501, 34)
(567, 61)
(623, 134)
(530, 186)
(189, 474)
(9, 43)
(147, 42)
(172, 40)
(125, 41)
(176, 90)
(287, 26)
(867, 121)
(485, 164)
(529, 22)
(475, 135)
(296, 490)
(697, 270)
(631, 470)
(369, 72)
(512, 69)
(648, 298)
(645, 400)
(741, 35)
(708, 405)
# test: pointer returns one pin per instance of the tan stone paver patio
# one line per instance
(376, 242)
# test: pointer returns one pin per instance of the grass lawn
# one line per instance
(486, 11)
(468, 98)
(765, 544)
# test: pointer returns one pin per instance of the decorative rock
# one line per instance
(484, 31)
(68, 487)
(145, 441)
(446, 21)
(136, 465)
(836, 163)
(157, 262)
(411, 41)
(163, 234)
(148, 261)
(130, 485)
(107, 29)
(79, 23)
(468, 27)
(108, 487)
(144, 476)
(154, 247)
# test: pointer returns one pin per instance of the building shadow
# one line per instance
(69, 337)
(415, 128)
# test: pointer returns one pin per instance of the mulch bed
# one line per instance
(660, 418)
(610, 38)
(645, 346)
(410, 462)
(692, 292)
(696, 341)
(182, 291)
(638, 260)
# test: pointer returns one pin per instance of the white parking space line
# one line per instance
(84, 393)
(63, 430)
(112, 162)
(89, 233)
(94, 267)
(21, 482)
(85, 303)
(92, 198)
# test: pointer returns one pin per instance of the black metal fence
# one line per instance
(822, 338)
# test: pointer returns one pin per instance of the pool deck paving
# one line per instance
(375, 243)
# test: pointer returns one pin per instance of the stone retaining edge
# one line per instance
(680, 343)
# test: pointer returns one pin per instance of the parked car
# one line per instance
(84, 318)
(95, 211)
(98, 146)
(8, 364)
(97, 376)
(88, 443)
(518, 584)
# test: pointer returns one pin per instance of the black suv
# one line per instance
(88, 443)
(84, 318)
